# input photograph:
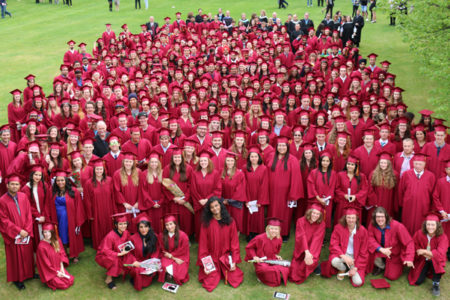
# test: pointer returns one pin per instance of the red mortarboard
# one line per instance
(352, 159)
(205, 153)
(169, 218)
(420, 157)
(282, 139)
(48, 226)
(70, 42)
(385, 155)
(96, 162)
(29, 77)
(119, 218)
(432, 216)
(190, 142)
(128, 155)
(316, 207)
(380, 283)
(12, 177)
(426, 112)
(274, 221)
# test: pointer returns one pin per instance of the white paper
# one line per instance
(292, 204)
(169, 269)
(133, 211)
(349, 192)
(253, 206)
(327, 200)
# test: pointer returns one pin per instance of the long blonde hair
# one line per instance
(150, 178)
(267, 232)
(124, 175)
(386, 178)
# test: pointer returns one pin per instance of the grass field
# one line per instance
(34, 41)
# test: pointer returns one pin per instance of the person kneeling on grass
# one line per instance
(309, 235)
(267, 246)
(218, 240)
(431, 247)
(348, 250)
(51, 259)
(146, 247)
(390, 245)
(109, 256)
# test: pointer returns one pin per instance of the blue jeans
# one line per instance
(4, 11)
(309, 2)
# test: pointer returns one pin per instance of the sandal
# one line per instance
(112, 285)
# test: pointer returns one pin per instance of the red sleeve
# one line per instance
(117, 184)
(311, 185)
(235, 249)
(361, 196)
(264, 189)
(406, 241)
(217, 188)
(250, 249)
(363, 254)
(45, 267)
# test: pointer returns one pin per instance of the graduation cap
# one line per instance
(282, 139)
(48, 226)
(432, 216)
(16, 92)
(426, 112)
(29, 77)
(129, 155)
(385, 155)
(60, 173)
(12, 177)
(5, 128)
(71, 42)
(274, 221)
(169, 218)
(189, 142)
(380, 283)
(120, 217)
(205, 153)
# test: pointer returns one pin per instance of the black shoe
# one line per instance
(376, 271)
(318, 270)
(132, 281)
(36, 276)
(436, 291)
(20, 286)
(285, 238)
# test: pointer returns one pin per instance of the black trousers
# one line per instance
(110, 5)
(425, 270)
(320, 3)
(329, 9)
(69, 2)
(355, 8)
(136, 2)
(282, 3)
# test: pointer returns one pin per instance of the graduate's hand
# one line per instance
(444, 215)
(122, 253)
(409, 264)
(177, 199)
(308, 258)
(167, 254)
(386, 251)
(203, 201)
(348, 260)
(59, 274)
(207, 272)
(23, 233)
(352, 272)
(420, 251)
(178, 261)
(278, 257)
(233, 267)
(136, 205)
(42, 219)
(156, 205)
(127, 206)
(136, 264)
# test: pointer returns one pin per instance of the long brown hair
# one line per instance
(380, 210)
(210, 167)
(134, 175)
(308, 216)
(225, 171)
(343, 221)
(439, 230)
(166, 237)
(173, 169)
(54, 241)
(385, 178)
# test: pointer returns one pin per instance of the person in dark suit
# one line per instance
(319, 3)
(330, 5)
(152, 26)
(358, 22)
(101, 147)
(284, 3)
(328, 22)
(199, 17)
(306, 23)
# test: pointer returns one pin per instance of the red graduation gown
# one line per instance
(435, 162)
(235, 188)
(16, 114)
(382, 196)
(284, 186)
(48, 263)
(126, 194)
(100, 207)
(308, 236)
(441, 200)
(219, 241)
(76, 218)
(402, 245)
(257, 188)
(219, 160)
(185, 217)
(141, 150)
(112, 165)
(35, 212)
(7, 154)
(367, 161)
(262, 246)
(359, 190)
(152, 194)
(415, 198)
(19, 258)
(137, 254)
(438, 246)
(317, 187)
(107, 253)
(180, 272)
(338, 246)
(203, 188)
(356, 133)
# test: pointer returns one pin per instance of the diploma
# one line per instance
(349, 192)
(253, 206)
(326, 200)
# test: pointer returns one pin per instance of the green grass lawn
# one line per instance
(34, 41)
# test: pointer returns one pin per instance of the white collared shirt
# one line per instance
(350, 250)
(417, 173)
(406, 162)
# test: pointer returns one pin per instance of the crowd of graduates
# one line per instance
(257, 133)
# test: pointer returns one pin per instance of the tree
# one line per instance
(425, 27)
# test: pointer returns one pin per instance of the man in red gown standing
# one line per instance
(441, 201)
(16, 224)
(415, 191)
(438, 152)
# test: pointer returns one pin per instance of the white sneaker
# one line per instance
(367, 19)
